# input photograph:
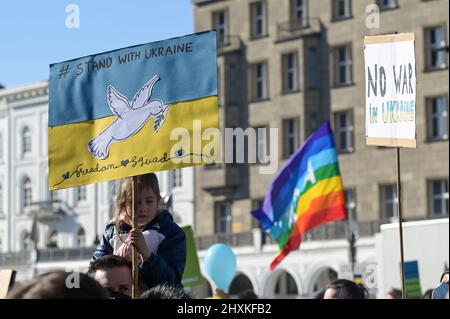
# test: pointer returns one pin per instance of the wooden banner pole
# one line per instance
(134, 254)
(400, 225)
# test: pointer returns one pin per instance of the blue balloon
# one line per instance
(220, 264)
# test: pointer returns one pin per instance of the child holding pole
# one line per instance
(159, 241)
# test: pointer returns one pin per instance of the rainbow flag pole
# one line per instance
(306, 193)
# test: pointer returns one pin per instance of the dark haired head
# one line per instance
(443, 275)
(428, 294)
(107, 262)
(125, 189)
(165, 292)
(115, 274)
(247, 294)
(60, 285)
(394, 293)
(319, 294)
(345, 289)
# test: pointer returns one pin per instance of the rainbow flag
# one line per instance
(306, 193)
(132, 110)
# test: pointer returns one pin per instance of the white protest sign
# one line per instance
(7, 277)
(390, 67)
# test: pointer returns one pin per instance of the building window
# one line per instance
(52, 241)
(232, 85)
(299, 14)
(219, 86)
(290, 137)
(437, 113)
(81, 237)
(54, 196)
(177, 178)
(80, 194)
(262, 145)
(112, 188)
(2, 214)
(312, 69)
(223, 218)
(1, 146)
(259, 81)
(388, 201)
(290, 72)
(344, 131)
(233, 150)
(387, 4)
(47, 188)
(26, 140)
(436, 48)
(341, 9)
(258, 19)
(343, 65)
(220, 24)
(27, 190)
(438, 197)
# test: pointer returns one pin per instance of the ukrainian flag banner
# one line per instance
(114, 114)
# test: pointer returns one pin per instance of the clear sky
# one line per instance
(33, 33)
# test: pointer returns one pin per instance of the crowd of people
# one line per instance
(110, 277)
(161, 247)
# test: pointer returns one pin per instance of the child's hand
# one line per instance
(137, 240)
(125, 250)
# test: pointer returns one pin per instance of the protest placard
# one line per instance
(390, 90)
(112, 115)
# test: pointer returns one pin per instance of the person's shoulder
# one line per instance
(109, 227)
(122, 226)
(167, 225)
(109, 230)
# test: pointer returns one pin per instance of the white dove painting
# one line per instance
(130, 117)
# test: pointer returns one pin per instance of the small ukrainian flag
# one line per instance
(358, 279)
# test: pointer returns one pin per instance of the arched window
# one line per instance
(285, 286)
(240, 284)
(81, 237)
(26, 140)
(325, 277)
(27, 189)
(203, 290)
(52, 241)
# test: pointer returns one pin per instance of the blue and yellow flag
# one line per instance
(132, 111)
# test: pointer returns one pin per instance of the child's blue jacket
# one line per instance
(164, 267)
